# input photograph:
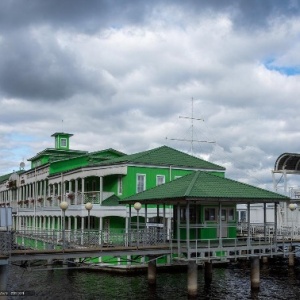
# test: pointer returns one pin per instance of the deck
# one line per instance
(43, 245)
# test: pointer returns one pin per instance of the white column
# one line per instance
(64, 191)
(100, 234)
(58, 189)
(76, 191)
(82, 223)
(75, 223)
(45, 190)
(101, 189)
(40, 185)
(82, 190)
(69, 223)
(53, 223)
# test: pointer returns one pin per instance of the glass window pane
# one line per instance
(210, 214)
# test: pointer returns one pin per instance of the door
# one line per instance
(224, 223)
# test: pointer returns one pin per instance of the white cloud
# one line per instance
(124, 85)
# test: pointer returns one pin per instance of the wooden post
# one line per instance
(192, 278)
(255, 273)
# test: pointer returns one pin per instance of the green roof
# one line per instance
(5, 177)
(57, 154)
(113, 200)
(203, 186)
(165, 156)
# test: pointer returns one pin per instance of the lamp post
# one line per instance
(137, 206)
(292, 208)
(63, 206)
(88, 207)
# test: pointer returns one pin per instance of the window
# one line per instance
(160, 179)
(63, 142)
(182, 214)
(120, 185)
(230, 214)
(141, 183)
(210, 214)
(243, 216)
(227, 214)
(223, 215)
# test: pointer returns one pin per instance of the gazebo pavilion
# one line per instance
(204, 218)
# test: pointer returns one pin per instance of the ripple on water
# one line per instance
(278, 281)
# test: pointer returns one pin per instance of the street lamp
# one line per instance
(63, 206)
(137, 206)
(88, 207)
(293, 207)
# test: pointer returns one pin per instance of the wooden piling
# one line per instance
(208, 272)
(291, 256)
(192, 278)
(152, 272)
(255, 273)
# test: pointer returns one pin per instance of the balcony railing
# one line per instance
(78, 198)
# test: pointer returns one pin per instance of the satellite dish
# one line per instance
(22, 165)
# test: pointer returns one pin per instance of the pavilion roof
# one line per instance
(202, 187)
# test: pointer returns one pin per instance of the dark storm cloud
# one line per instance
(79, 14)
(42, 70)
(89, 16)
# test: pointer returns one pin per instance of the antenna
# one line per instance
(192, 138)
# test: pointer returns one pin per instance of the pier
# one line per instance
(29, 246)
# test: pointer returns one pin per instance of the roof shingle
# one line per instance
(202, 185)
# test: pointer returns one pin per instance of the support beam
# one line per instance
(265, 221)
(187, 217)
(178, 228)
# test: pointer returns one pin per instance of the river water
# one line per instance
(278, 281)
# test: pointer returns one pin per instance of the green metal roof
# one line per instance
(165, 156)
(113, 200)
(203, 186)
(57, 154)
(5, 177)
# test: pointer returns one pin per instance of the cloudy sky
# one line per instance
(122, 74)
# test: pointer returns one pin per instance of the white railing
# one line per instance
(57, 239)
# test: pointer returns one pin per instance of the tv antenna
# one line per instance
(192, 140)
